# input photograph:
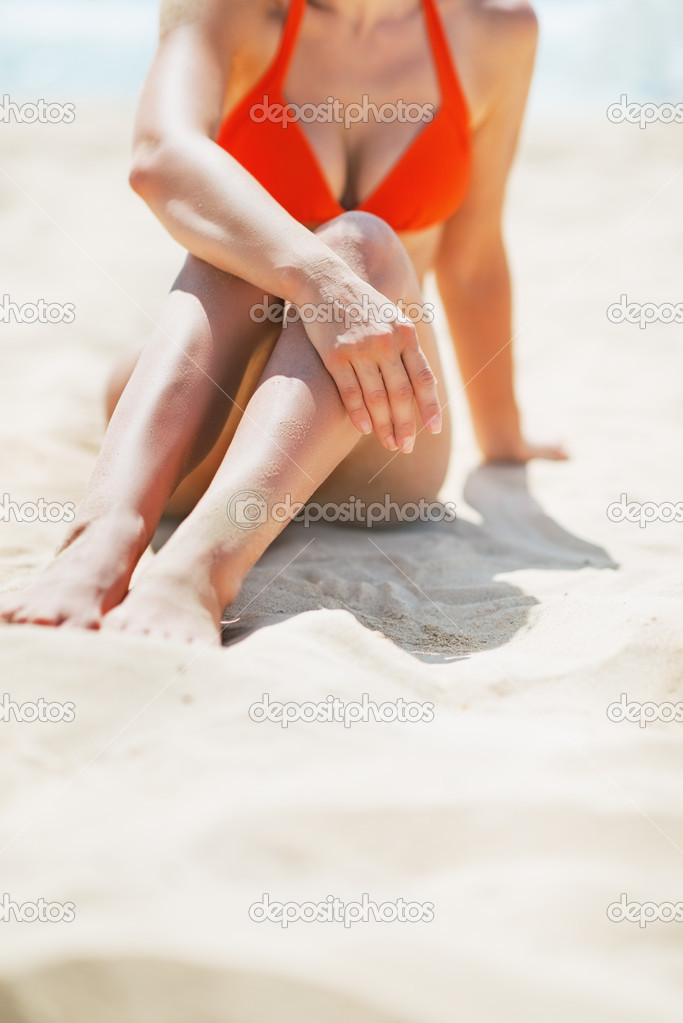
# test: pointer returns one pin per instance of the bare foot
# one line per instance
(88, 576)
(170, 604)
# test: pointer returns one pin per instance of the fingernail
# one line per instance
(391, 441)
(365, 426)
(408, 445)
(434, 424)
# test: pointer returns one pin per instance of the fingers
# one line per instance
(351, 396)
(423, 384)
(377, 402)
(551, 452)
(401, 404)
(380, 382)
(519, 454)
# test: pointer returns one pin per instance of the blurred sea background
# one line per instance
(592, 51)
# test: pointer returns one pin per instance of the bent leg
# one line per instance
(194, 484)
(295, 435)
(167, 420)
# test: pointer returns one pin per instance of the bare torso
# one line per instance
(335, 57)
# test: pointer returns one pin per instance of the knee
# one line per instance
(371, 248)
(201, 278)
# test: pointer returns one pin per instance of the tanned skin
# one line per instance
(215, 403)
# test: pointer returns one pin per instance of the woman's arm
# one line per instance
(204, 198)
(218, 211)
(472, 268)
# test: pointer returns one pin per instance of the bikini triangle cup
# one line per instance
(424, 187)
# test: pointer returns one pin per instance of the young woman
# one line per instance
(400, 123)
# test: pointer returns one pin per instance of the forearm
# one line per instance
(479, 313)
(217, 211)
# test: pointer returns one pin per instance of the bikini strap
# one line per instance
(449, 83)
(278, 69)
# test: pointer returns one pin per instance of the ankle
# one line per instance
(122, 530)
(209, 573)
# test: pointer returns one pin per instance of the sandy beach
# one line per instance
(162, 811)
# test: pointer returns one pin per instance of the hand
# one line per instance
(521, 452)
(371, 350)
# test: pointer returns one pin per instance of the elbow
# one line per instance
(149, 170)
(139, 179)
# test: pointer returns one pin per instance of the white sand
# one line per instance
(163, 812)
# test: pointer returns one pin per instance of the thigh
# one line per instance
(214, 321)
(211, 319)
(196, 483)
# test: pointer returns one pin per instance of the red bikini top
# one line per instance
(425, 187)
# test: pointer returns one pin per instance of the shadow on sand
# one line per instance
(434, 589)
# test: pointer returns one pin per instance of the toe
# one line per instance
(82, 622)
